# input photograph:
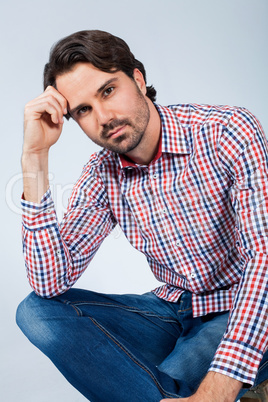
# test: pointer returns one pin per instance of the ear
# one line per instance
(139, 79)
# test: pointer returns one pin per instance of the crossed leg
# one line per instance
(123, 347)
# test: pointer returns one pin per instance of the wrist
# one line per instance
(34, 157)
(34, 163)
(35, 175)
(218, 387)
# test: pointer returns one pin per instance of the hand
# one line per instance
(214, 387)
(43, 120)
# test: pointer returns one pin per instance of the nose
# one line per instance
(104, 114)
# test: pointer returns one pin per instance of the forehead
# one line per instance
(84, 80)
(82, 74)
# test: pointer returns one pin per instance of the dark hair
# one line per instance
(103, 50)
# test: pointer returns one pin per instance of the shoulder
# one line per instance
(100, 159)
(92, 172)
(193, 113)
(235, 122)
(90, 185)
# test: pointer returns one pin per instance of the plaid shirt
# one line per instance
(198, 212)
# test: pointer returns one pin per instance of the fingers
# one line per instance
(50, 102)
(59, 98)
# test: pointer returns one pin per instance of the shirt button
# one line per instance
(155, 176)
(58, 252)
(178, 243)
(193, 275)
(49, 210)
(164, 211)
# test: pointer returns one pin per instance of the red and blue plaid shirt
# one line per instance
(198, 211)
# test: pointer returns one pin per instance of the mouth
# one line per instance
(117, 132)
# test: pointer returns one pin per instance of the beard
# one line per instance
(134, 131)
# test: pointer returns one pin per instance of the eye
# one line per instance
(83, 110)
(108, 91)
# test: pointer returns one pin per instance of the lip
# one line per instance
(116, 133)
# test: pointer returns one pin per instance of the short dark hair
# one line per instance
(103, 50)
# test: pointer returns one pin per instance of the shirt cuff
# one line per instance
(39, 216)
(237, 360)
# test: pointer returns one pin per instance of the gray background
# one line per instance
(202, 51)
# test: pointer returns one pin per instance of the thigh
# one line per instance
(101, 342)
(140, 322)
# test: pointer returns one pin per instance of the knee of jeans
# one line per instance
(32, 323)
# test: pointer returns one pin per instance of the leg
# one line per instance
(106, 346)
(191, 357)
(194, 350)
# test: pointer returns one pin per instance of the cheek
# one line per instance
(89, 127)
(126, 104)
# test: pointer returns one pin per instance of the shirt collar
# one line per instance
(173, 132)
(172, 140)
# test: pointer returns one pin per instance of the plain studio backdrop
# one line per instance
(201, 51)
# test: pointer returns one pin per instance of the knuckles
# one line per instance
(49, 98)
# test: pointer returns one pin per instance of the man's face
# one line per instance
(111, 108)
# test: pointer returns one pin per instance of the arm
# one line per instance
(243, 152)
(55, 256)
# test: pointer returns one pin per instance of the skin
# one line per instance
(114, 111)
(214, 388)
(111, 108)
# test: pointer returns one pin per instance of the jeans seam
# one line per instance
(133, 358)
(124, 307)
(77, 310)
(183, 311)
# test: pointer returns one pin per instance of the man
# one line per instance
(188, 186)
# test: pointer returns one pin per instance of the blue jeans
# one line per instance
(125, 347)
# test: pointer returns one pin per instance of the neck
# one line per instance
(145, 152)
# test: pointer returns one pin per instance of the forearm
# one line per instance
(56, 256)
(35, 176)
(218, 387)
(214, 387)
(50, 269)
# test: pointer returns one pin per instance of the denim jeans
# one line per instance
(125, 347)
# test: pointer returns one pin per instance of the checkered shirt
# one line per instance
(198, 212)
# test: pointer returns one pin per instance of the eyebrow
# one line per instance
(99, 90)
